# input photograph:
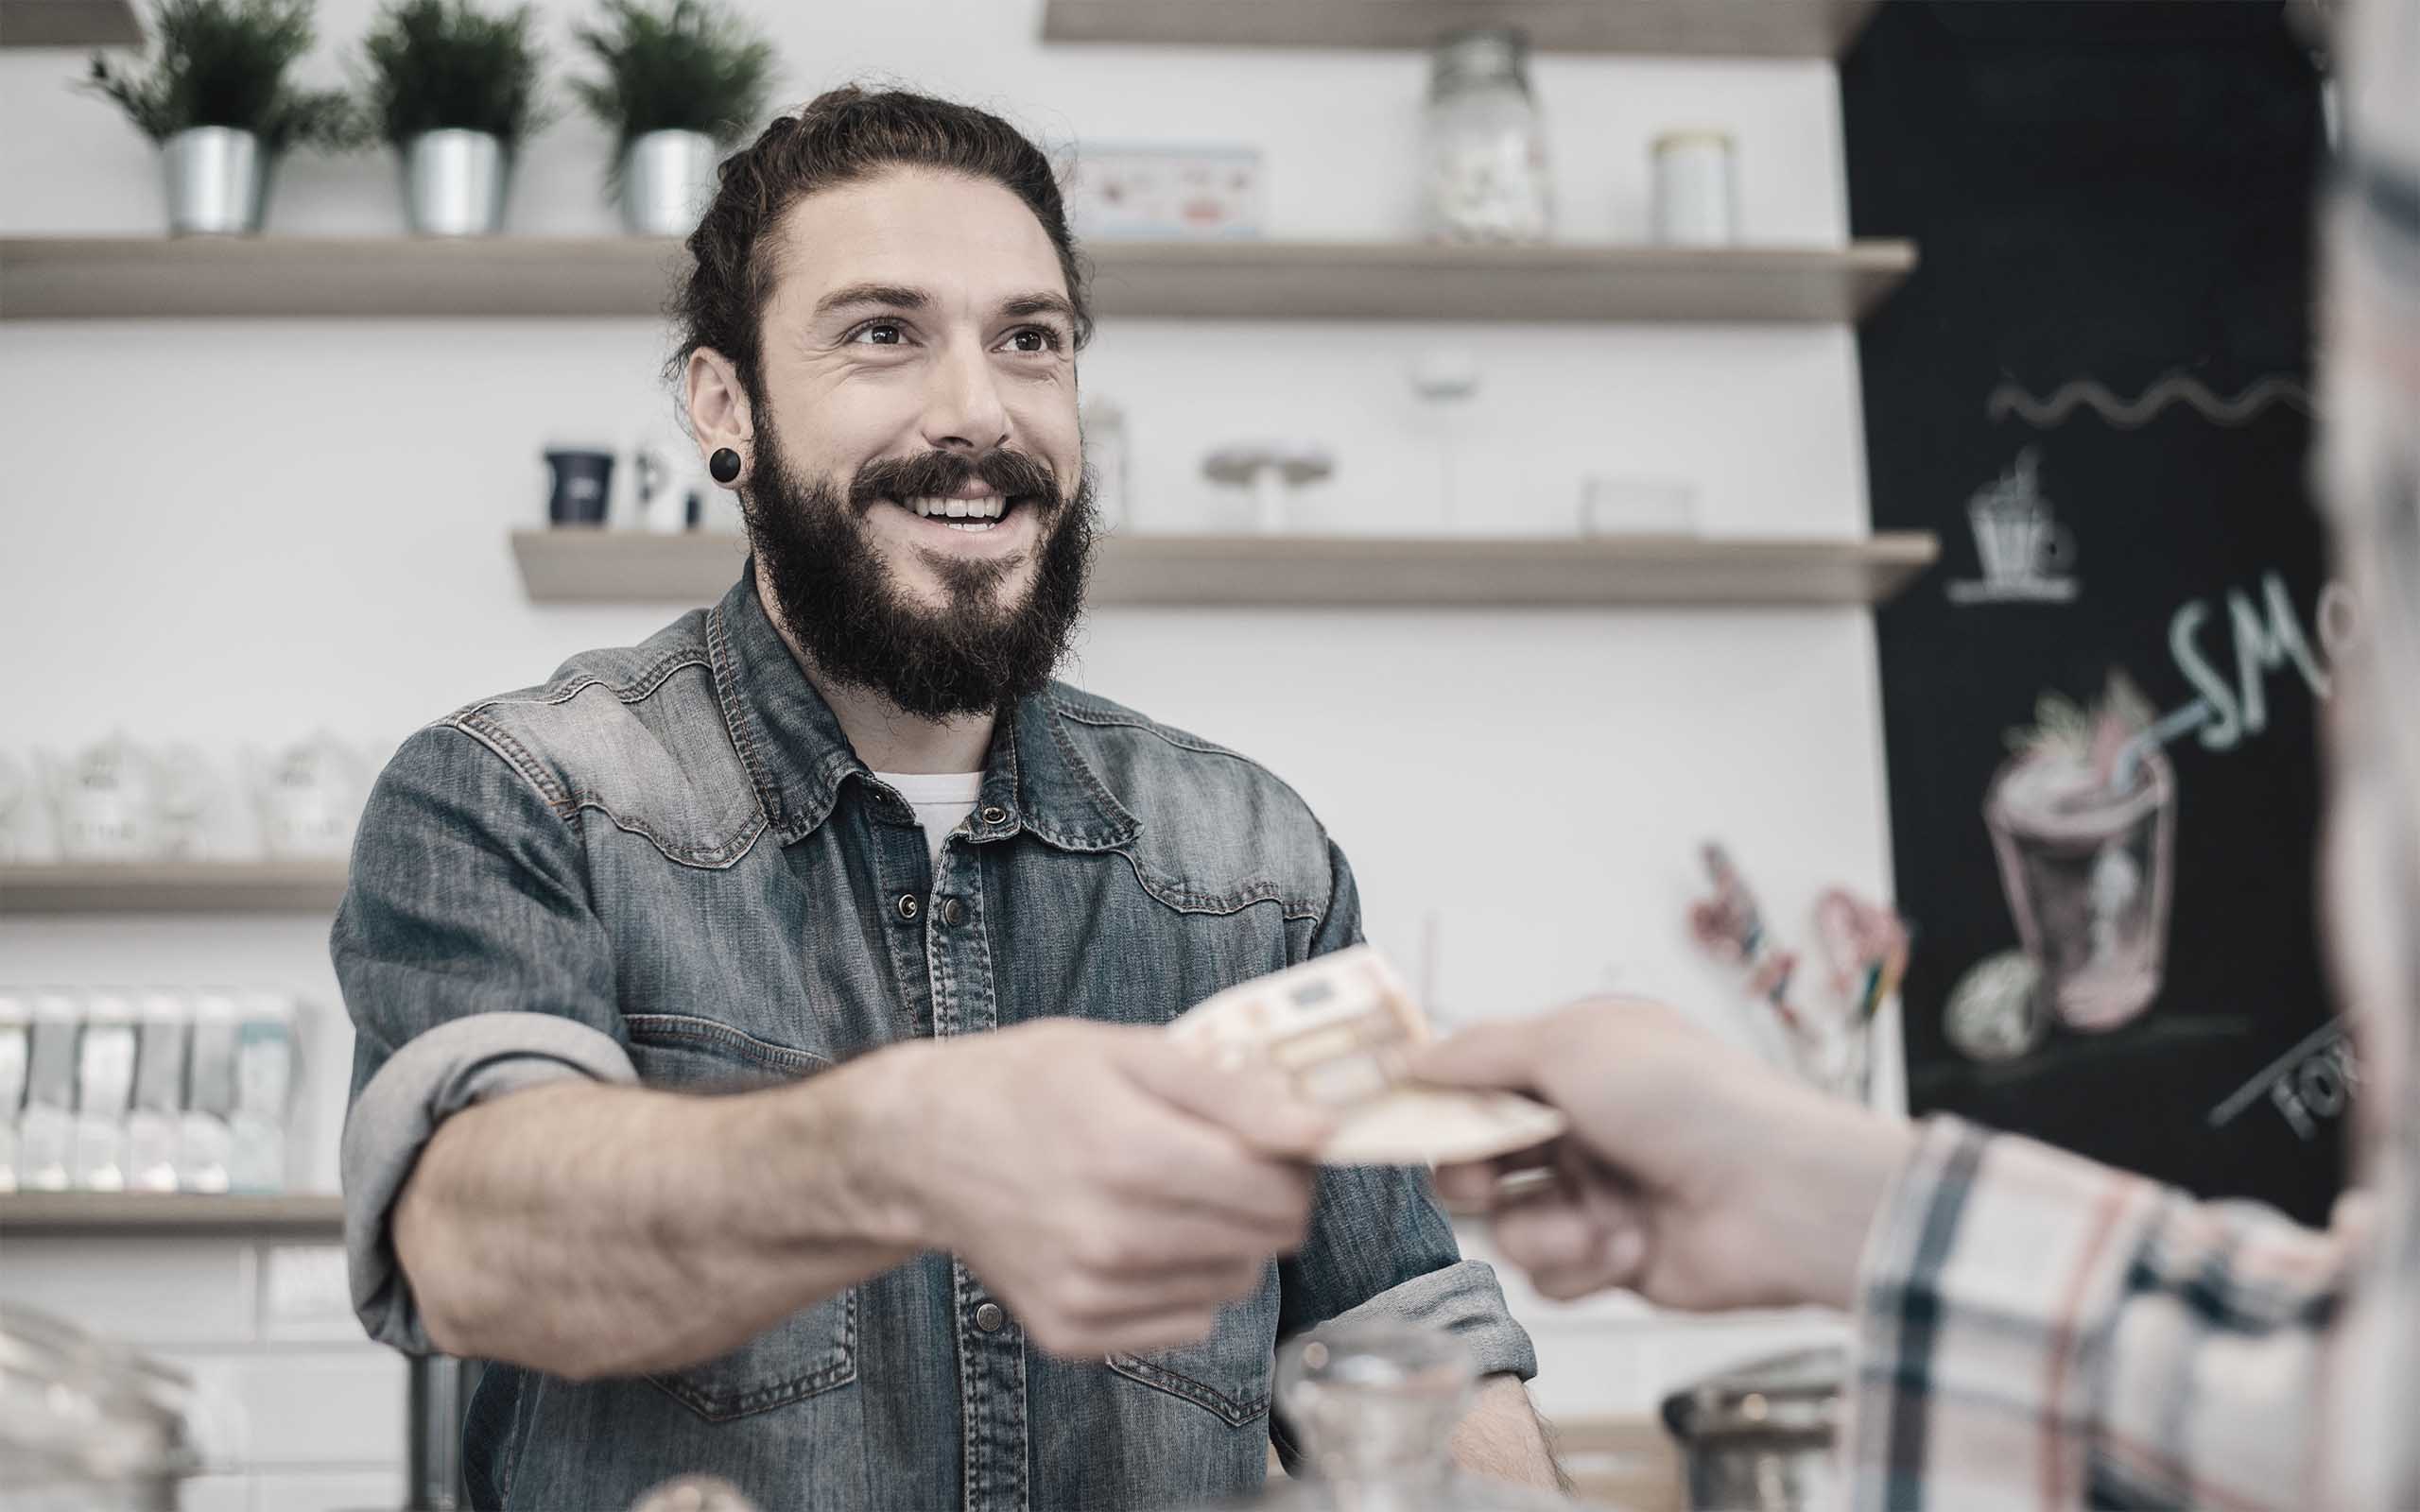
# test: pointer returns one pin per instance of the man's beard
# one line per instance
(974, 655)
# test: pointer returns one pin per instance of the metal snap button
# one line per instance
(953, 912)
(990, 1319)
(909, 906)
(995, 815)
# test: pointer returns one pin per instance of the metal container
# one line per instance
(86, 1425)
(1759, 1437)
(454, 183)
(1697, 195)
(218, 182)
(438, 1395)
(667, 182)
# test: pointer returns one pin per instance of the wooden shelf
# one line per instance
(172, 887)
(1346, 281)
(600, 566)
(371, 277)
(66, 1214)
(68, 24)
(574, 566)
(144, 278)
(1717, 28)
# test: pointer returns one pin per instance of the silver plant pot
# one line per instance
(218, 182)
(454, 183)
(667, 182)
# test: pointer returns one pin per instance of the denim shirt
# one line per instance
(667, 866)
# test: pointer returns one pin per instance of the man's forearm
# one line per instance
(1499, 1437)
(588, 1230)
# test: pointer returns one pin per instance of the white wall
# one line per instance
(236, 533)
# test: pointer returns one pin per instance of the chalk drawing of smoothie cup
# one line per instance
(2085, 859)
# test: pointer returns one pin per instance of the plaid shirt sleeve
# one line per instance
(2039, 1331)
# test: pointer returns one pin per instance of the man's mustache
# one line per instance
(1014, 474)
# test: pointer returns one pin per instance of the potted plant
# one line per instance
(216, 97)
(453, 90)
(684, 79)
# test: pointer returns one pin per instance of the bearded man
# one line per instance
(958, 1227)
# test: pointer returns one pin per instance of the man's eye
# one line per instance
(1033, 339)
(880, 334)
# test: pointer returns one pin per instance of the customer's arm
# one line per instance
(510, 1195)
(2033, 1330)
(2036, 1330)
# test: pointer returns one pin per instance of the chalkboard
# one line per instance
(2101, 711)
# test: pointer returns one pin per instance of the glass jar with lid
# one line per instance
(1485, 177)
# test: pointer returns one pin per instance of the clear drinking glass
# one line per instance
(1374, 1404)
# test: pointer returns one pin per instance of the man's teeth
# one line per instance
(986, 508)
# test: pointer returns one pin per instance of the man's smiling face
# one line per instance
(921, 313)
(916, 493)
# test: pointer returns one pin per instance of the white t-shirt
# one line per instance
(941, 800)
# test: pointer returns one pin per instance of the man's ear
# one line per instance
(719, 411)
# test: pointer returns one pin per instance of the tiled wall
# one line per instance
(299, 1413)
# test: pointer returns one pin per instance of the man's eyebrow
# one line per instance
(1044, 304)
(887, 295)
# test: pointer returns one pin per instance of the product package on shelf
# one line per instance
(47, 1125)
(104, 1092)
(159, 1093)
(263, 1094)
(161, 1090)
(204, 1142)
(16, 1023)
(1166, 193)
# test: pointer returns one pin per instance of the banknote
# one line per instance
(1344, 1029)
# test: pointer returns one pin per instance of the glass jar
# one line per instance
(1486, 176)
(1374, 1404)
(86, 1426)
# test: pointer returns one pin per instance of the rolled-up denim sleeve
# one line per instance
(472, 966)
(1379, 1246)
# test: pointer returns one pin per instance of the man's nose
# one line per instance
(962, 407)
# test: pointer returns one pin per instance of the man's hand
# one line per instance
(1111, 1187)
(1691, 1173)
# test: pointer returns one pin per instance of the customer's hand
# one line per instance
(1108, 1186)
(1692, 1174)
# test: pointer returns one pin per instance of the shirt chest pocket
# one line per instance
(814, 1350)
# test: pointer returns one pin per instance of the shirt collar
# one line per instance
(1034, 778)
